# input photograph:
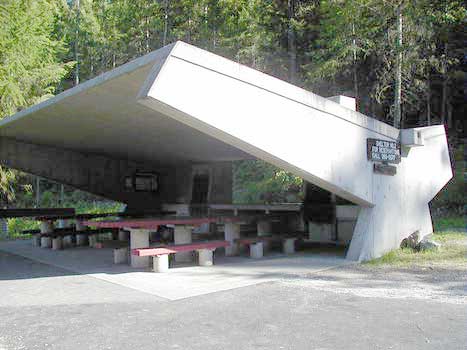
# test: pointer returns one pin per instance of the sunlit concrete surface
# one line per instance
(182, 281)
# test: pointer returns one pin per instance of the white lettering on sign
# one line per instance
(383, 151)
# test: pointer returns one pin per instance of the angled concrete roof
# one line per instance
(184, 104)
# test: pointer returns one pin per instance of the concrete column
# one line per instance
(256, 250)
(231, 233)
(160, 263)
(80, 226)
(288, 245)
(62, 223)
(47, 227)
(205, 257)
(81, 240)
(57, 243)
(120, 255)
(123, 235)
(139, 238)
(264, 228)
(68, 241)
(36, 241)
(182, 235)
(46, 242)
(92, 240)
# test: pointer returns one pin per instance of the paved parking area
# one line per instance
(46, 307)
(227, 273)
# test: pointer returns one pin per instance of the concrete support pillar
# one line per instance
(68, 241)
(123, 235)
(36, 241)
(160, 263)
(120, 255)
(92, 240)
(288, 245)
(256, 250)
(81, 240)
(57, 243)
(182, 235)
(139, 238)
(46, 242)
(231, 233)
(47, 227)
(205, 257)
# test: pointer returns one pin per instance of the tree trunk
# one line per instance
(292, 48)
(398, 78)
(166, 22)
(355, 75)
(428, 103)
(445, 84)
(77, 42)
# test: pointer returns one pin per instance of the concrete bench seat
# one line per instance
(161, 254)
(256, 244)
(67, 237)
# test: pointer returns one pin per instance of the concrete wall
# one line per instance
(105, 176)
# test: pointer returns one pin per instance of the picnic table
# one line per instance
(140, 228)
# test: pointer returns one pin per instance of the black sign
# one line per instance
(384, 151)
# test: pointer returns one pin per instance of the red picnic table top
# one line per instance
(154, 223)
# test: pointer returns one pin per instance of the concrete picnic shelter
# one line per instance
(165, 128)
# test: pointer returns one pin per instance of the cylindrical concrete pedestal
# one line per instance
(68, 241)
(46, 242)
(120, 255)
(182, 235)
(161, 263)
(36, 241)
(288, 246)
(57, 243)
(205, 257)
(256, 250)
(231, 233)
(92, 240)
(81, 240)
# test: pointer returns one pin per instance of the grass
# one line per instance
(453, 251)
(447, 223)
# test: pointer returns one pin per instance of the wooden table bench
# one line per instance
(161, 254)
(255, 244)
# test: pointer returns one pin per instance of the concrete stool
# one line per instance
(120, 255)
(161, 263)
(46, 242)
(92, 240)
(57, 243)
(288, 245)
(256, 250)
(81, 240)
(68, 241)
(205, 257)
(36, 241)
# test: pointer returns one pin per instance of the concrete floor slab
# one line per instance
(179, 282)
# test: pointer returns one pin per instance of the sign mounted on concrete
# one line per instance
(383, 151)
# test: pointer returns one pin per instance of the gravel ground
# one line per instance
(444, 283)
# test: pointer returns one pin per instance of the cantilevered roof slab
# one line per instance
(104, 116)
(183, 104)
